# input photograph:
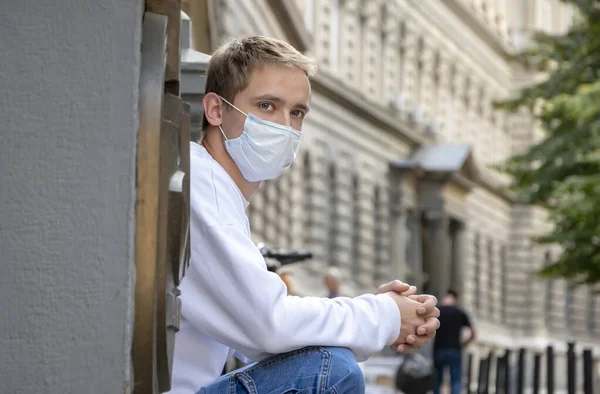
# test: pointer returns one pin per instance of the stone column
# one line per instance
(416, 247)
(438, 253)
(457, 232)
(400, 239)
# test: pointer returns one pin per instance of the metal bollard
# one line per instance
(521, 371)
(588, 372)
(537, 363)
(571, 370)
(482, 381)
(501, 367)
(507, 371)
(550, 370)
(483, 386)
(469, 372)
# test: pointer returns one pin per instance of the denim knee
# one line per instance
(345, 374)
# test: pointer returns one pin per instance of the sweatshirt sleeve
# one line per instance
(228, 294)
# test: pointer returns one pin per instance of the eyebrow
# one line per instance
(270, 97)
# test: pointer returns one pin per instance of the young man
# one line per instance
(257, 95)
(448, 342)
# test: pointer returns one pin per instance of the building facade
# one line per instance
(395, 175)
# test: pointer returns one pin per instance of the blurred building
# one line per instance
(395, 179)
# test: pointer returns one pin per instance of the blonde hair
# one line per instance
(231, 65)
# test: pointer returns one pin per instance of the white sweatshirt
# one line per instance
(230, 302)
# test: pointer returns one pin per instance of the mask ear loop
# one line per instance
(222, 132)
(232, 106)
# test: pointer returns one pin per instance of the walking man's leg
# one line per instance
(315, 369)
(439, 363)
(456, 371)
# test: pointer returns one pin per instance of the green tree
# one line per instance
(562, 172)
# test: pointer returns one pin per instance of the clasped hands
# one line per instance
(419, 315)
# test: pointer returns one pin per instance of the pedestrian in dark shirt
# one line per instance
(449, 343)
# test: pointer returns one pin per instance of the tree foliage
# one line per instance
(562, 172)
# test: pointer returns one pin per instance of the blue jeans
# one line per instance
(311, 370)
(451, 358)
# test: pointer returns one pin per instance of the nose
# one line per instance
(284, 118)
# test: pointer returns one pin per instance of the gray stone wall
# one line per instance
(68, 99)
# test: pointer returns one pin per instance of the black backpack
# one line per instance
(416, 375)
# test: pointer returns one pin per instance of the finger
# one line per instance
(428, 304)
(429, 328)
(411, 291)
(401, 348)
(395, 285)
(420, 341)
(408, 348)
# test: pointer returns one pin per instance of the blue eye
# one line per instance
(298, 114)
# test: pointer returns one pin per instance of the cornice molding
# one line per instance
(292, 24)
(328, 85)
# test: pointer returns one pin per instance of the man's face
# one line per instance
(276, 94)
(448, 299)
(331, 282)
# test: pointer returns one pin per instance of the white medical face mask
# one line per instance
(264, 150)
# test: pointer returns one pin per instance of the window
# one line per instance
(377, 236)
(569, 309)
(477, 272)
(420, 77)
(332, 216)
(591, 313)
(549, 301)
(307, 202)
(356, 227)
(334, 37)
(490, 290)
(503, 284)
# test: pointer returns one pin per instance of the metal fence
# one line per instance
(511, 374)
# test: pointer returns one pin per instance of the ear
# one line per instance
(213, 108)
